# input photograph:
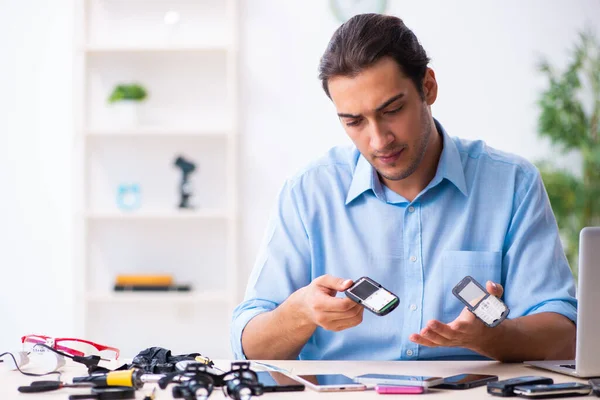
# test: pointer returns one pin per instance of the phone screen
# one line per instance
(468, 378)
(277, 382)
(472, 294)
(328, 380)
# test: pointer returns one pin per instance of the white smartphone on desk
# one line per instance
(330, 383)
(400, 380)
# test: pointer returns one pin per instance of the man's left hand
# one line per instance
(465, 331)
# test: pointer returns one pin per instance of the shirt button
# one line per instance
(413, 307)
(411, 209)
(413, 258)
(409, 353)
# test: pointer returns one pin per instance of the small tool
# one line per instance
(111, 393)
(48, 386)
(128, 378)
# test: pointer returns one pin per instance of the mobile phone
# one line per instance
(595, 386)
(466, 381)
(399, 380)
(372, 296)
(330, 383)
(553, 390)
(274, 381)
(505, 388)
(489, 309)
(392, 389)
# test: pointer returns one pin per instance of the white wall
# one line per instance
(36, 288)
(484, 54)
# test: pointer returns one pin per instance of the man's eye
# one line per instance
(394, 111)
(354, 122)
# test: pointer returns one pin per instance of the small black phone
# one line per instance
(487, 308)
(274, 381)
(553, 390)
(372, 296)
(505, 388)
(466, 381)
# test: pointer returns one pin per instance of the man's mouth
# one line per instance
(391, 157)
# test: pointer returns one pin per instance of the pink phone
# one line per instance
(390, 389)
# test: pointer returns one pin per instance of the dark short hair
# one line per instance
(365, 39)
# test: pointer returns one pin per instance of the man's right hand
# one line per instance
(318, 305)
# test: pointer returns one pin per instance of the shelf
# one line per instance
(156, 132)
(173, 297)
(99, 49)
(159, 215)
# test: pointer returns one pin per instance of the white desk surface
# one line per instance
(10, 380)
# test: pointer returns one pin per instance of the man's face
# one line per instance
(386, 118)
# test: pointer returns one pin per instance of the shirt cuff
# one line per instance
(565, 308)
(237, 328)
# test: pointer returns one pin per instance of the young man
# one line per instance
(415, 210)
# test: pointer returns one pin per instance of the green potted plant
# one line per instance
(570, 118)
(125, 101)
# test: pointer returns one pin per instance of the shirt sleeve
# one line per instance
(536, 272)
(282, 265)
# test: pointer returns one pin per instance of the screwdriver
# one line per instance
(130, 378)
(48, 386)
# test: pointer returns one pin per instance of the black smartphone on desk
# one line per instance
(466, 381)
(505, 388)
(552, 391)
(274, 381)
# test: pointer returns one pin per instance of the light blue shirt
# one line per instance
(485, 214)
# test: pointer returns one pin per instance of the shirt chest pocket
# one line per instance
(483, 266)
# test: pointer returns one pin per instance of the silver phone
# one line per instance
(489, 309)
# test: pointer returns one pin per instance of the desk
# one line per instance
(10, 380)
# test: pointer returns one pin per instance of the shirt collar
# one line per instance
(449, 167)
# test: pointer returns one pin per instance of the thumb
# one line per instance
(494, 289)
(332, 282)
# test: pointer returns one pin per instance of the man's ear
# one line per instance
(430, 87)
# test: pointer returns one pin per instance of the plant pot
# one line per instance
(125, 113)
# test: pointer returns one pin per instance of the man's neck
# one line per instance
(410, 187)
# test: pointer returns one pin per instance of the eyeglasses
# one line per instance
(72, 346)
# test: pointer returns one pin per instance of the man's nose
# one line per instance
(381, 136)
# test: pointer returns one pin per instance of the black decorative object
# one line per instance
(185, 188)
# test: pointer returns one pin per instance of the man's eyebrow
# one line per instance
(381, 107)
(389, 101)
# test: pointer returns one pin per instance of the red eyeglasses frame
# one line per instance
(69, 350)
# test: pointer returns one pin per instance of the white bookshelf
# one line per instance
(190, 71)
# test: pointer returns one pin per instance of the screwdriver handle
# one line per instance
(40, 386)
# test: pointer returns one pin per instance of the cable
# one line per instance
(28, 373)
(88, 361)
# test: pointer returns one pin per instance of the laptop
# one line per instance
(587, 353)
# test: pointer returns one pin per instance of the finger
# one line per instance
(350, 314)
(347, 323)
(434, 337)
(325, 303)
(442, 330)
(418, 339)
(332, 282)
(494, 289)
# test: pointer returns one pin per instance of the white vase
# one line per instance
(125, 113)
